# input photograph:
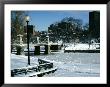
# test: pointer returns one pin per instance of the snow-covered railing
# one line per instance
(24, 70)
(42, 61)
(83, 51)
(43, 66)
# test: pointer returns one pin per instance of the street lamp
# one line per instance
(27, 21)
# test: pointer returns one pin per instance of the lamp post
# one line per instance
(27, 21)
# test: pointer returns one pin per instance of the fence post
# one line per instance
(37, 50)
(19, 49)
(47, 49)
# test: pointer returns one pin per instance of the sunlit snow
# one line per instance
(69, 64)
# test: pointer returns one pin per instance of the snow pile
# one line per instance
(81, 47)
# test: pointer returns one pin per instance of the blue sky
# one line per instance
(42, 19)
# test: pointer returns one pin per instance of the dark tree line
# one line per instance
(68, 30)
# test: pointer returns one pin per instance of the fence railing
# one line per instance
(41, 69)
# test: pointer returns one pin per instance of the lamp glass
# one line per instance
(27, 18)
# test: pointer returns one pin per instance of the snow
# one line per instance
(82, 46)
(69, 64)
(20, 61)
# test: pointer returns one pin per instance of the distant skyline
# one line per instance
(43, 19)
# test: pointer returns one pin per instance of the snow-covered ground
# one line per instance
(19, 61)
(69, 64)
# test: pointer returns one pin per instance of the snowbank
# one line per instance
(82, 47)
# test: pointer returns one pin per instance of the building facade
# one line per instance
(94, 24)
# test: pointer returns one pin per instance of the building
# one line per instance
(94, 24)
